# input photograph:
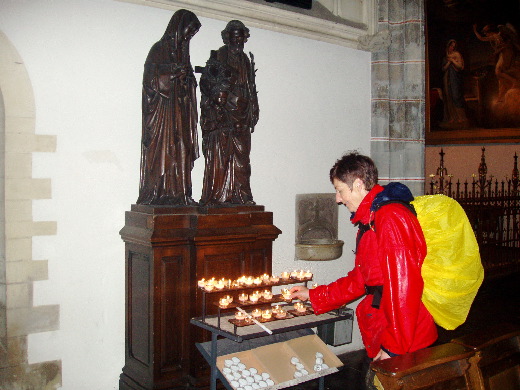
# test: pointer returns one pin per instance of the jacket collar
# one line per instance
(363, 212)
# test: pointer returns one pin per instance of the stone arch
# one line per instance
(18, 270)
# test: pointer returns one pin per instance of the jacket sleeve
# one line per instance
(334, 295)
(401, 251)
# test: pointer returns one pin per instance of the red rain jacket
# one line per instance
(391, 256)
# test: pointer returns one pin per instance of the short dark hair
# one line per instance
(354, 166)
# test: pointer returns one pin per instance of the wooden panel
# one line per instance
(139, 306)
(173, 310)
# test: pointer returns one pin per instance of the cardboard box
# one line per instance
(275, 360)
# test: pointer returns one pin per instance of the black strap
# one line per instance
(362, 229)
(377, 292)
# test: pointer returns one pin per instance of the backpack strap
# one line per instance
(377, 291)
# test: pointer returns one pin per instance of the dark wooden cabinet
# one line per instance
(167, 250)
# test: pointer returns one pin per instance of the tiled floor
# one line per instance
(497, 301)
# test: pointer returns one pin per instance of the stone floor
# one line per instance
(497, 301)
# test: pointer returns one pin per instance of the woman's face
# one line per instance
(452, 46)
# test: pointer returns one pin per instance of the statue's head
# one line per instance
(235, 35)
(183, 26)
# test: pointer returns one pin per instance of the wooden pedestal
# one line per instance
(167, 250)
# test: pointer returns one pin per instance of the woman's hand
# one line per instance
(300, 292)
(381, 355)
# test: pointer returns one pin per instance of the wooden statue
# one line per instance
(169, 144)
(229, 113)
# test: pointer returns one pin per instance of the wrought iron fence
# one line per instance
(493, 208)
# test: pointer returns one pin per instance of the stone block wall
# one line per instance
(18, 270)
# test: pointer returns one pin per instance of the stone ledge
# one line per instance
(26, 271)
(24, 321)
(27, 188)
(29, 229)
(45, 376)
(27, 143)
(280, 20)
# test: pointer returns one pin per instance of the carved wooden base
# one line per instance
(167, 249)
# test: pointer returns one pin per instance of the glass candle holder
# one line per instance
(223, 302)
(286, 294)
(285, 275)
(209, 287)
(201, 283)
(239, 316)
(267, 314)
(257, 281)
(274, 279)
(248, 281)
(219, 285)
(267, 294)
(300, 307)
(257, 313)
(229, 298)
(280, 313)
(243, 297)
(254, 297)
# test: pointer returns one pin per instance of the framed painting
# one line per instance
(473, 71)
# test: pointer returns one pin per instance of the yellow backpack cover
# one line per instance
(452, 270)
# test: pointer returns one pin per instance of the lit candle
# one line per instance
(219, 285)
(280, 313)
(266, 314)
(243, 297)
(257, 281)
(256, 313)
(285, 275)
(300, 275)
(240, 316)
(274, 279)
(300, 307)
(286, 294)
(314, 285)
(211, 281)
(254, 297)
(267, 294)
(223, 302)
(308, 274)
(248, 281)
(241, 280)
(276, 308)
(209, 287)
(265, 277)
(294, 274)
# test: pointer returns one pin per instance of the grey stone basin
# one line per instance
(319, 249)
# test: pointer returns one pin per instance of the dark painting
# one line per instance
(473, 68)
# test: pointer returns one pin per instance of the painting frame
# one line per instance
(453, 20)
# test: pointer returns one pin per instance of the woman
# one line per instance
(453, 87)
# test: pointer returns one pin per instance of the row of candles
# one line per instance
(277, 311)
(248, 281)
(254, 297)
